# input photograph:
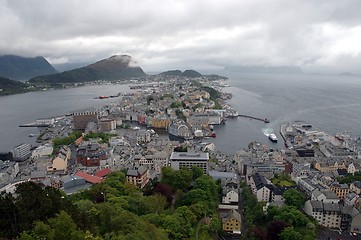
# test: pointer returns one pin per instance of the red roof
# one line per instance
(89, 178)
(102, 173)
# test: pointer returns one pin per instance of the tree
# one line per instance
(155, 203)
(197, 172)
(275, 228)
(293, 198)
(289, 233)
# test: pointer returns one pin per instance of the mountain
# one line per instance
(186, 73)
(8, 86)
(264, 69)
(172, 73)
(20, 68)
(114, 68)
(191, 74)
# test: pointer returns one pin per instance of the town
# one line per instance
(164, 124)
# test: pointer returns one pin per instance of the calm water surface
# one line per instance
(332, 103)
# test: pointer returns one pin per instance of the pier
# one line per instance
(265, 120)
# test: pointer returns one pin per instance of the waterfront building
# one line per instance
(6, 156)
(21, 152)
(81, 119)
(107, 125)
(180, 160)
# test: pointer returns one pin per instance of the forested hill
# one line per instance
(8, 86)
(20, 68)
(114, 68)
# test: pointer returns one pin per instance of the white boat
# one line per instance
(31, 135)
(273, 137)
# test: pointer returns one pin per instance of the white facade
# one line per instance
(21, 151)
(180, 160)
(42, 151)
(263, 194)
(326, 214)
(231, 196)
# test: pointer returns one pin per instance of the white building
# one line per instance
(230, 195)
(326, 214)
(180, 160)
(326, 196)
(42, 151)
(21, 152)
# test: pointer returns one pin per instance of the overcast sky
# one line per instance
(316, 35)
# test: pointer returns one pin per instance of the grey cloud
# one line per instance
(162, 33)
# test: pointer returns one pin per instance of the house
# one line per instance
(232, 222)
(341, 190)
(230, 195)
(351, 198)
(325, 196)
(326, 214)
(356, 187)
(223, 176)
(60, 162)
(261, 187)
(350, 219)
(138, 176)
(90, 153)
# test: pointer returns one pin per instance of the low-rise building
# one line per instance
(180, 160)
(341, 190)
(326, 214)
(356, 187)
(60, 162)
(90, 153)
(230, 195)
(42, 151)
(138, 176)
(232, 222)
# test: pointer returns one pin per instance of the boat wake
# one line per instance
(267, 131)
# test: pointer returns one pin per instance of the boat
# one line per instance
(213, 134)
(103, 97)
(273, 137)
(31, 135)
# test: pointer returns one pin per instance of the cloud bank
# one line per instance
(206, 34)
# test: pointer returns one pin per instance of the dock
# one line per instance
(265, 120)
(35, 124)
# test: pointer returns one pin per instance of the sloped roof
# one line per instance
(102, 173)
(89, 178)
(232, 214)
